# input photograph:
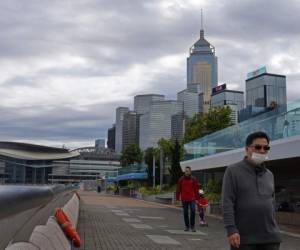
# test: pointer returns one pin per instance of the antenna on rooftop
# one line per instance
(201, 19)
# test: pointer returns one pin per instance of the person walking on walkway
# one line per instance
(248, 200)
(187, 192)
(202, 203)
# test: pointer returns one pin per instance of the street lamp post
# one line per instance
(153, 170)
(161, 168)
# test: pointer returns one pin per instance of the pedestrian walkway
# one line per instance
(108, 222)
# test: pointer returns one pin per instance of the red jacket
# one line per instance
(187, 189)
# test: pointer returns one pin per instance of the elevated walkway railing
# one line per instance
(276, 124)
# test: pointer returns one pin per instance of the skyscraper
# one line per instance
(142, 103)
(178, 126)
(130, 126)
(156, 123)
(120, 111)
(111, 137)
(190, 102)
(202, 69)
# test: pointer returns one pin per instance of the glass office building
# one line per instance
(222, 97)
(130, 129)
(120, 111)
(266, 90)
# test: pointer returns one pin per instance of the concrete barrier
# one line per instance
(72, 210)
(22, 246)
(41, 238)
(55, 238)
(51, 236)
(59, 233)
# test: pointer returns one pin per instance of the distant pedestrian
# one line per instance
(248, 199)
(117, 190)
(187, 192)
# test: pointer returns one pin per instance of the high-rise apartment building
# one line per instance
(111, 137)
(202, 69)
(130, 128)
(156, 123)
(120, 111)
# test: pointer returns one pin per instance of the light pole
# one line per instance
(153, 170)
(161, 160)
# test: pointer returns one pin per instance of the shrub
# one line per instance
(149, 190)
(213, 191)
(110, 187)
(213, 197)
(143, 190)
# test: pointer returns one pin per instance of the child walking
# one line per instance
(201, 205)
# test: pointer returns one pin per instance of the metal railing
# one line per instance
(276, 124)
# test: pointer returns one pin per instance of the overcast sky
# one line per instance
(65, 65)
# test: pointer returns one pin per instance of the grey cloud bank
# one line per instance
(66, 65)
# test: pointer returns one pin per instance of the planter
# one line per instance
(287, 218)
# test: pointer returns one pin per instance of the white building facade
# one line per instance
(156, 124)
(190, 102)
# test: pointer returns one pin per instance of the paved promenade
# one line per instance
(108, 222)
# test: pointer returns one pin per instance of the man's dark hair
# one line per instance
(256, 135)
(188, 167)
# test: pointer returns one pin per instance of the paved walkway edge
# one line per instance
(209, 215)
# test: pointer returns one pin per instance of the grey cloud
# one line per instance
(56, 123)
(112, 36)
(19, 81)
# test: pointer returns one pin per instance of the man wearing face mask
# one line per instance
(188, 192)
(248, 199)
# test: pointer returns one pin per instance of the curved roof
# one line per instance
(84, 149)
(26, 151)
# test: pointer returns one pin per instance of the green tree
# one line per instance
(215, 119)
(166, 146)
(194, 128)
(176, 156)
(213, 190)
(130, 155)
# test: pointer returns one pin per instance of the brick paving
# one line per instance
(112, 223)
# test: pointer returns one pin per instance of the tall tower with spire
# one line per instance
(202, 69)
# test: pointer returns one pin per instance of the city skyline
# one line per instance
(66, 67)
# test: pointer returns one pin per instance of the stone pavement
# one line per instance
(108, 222)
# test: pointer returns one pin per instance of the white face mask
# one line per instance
(259, 158)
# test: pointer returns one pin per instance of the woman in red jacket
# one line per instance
(187, 192)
